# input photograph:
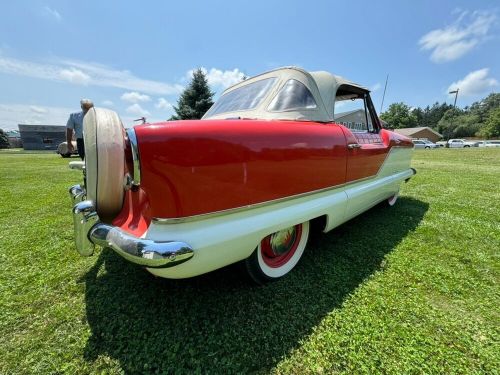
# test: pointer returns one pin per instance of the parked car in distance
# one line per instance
(441, 143)
(183, 198)
(424, 144)
(492, 143)
(62, 149)
(460, 143)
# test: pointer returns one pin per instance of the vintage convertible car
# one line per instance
(183, 198)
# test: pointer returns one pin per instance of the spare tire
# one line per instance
(104, 138)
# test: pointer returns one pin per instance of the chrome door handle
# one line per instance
(352, 146)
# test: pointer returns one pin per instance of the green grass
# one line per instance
(408, 289)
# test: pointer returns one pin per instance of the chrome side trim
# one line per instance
(89, 231)
(178, 220)
(136, 178)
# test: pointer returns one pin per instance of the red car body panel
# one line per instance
(197, 167)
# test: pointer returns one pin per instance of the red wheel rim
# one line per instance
(277, 248)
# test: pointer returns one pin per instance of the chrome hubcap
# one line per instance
(281, 242)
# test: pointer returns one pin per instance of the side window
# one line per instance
(352, 109)
(294, 95)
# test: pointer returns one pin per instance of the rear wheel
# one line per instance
(278, 253)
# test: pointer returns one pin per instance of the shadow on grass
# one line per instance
(221, 323)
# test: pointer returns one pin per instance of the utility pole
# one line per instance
(455, 102)
(456, 94)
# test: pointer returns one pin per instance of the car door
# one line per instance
(366, 150)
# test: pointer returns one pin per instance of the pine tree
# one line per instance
(195, 100)
(4, 141)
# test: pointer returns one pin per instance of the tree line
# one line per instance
(480, 119)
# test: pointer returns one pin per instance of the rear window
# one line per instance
(294, 95)
(243, 98)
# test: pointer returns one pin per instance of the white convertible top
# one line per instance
(322, 85)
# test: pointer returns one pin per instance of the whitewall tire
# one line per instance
(278, 253)
(104, 138)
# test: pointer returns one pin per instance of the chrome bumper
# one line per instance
(89, 231)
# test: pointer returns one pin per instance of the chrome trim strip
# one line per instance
(136, 178)
(89, 231)
(179, 220)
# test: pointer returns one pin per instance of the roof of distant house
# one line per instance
(411, 131)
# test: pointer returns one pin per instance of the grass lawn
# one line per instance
(408, 289)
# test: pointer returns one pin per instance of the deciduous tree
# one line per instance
(399, 115)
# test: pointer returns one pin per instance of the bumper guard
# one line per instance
(90, 231)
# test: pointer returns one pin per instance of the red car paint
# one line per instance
(196, 167)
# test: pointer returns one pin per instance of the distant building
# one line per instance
(14, 138)
(420, 132)
(42, 137)
(355, 120)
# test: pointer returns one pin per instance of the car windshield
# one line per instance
(243, 98)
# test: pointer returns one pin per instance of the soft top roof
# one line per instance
(323, 86)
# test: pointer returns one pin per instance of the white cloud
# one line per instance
(474, 83)
(220, 78)
(135, 97)
(13, 114)
(107, 103)
(52, 13)
(37, 109)
(376, 87)
(454, 41)
(163, 103)
(136, 109)
(75, 76)
(85, 73)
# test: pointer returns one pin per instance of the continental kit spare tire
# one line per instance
(104, 138)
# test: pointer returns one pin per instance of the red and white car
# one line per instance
(183, 198)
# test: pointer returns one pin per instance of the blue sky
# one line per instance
(135, 57)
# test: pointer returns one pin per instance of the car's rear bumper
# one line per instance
(90, 231)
